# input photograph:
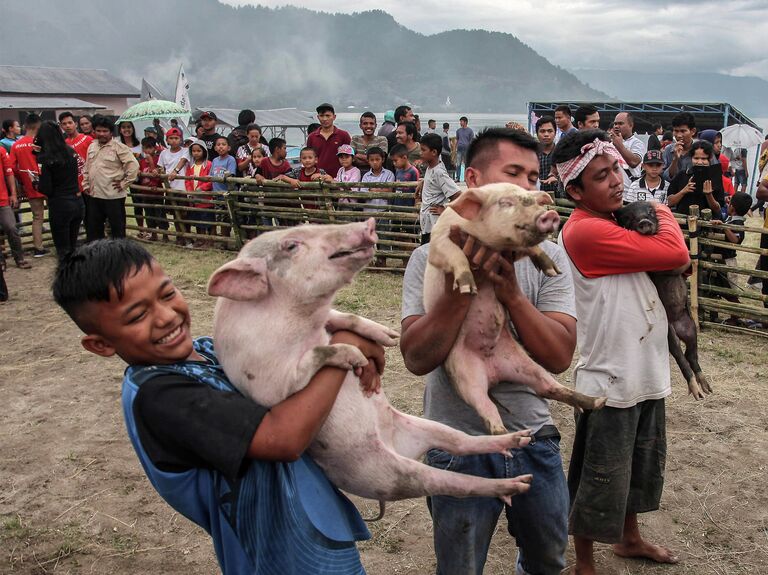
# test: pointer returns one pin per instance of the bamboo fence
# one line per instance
(246, 209)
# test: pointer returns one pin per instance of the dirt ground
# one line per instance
(73, 498)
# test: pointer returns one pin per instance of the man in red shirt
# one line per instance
(75, 139)
(327, 139)
(27, 172)
(617, 462)
(8, 201)
(79, 142)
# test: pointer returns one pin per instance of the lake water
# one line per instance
(350, 121)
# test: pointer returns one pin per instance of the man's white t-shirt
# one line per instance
(634, 145)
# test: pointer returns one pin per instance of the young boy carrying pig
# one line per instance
(233, 467)
(617, 466)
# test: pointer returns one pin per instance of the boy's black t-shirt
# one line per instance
(183, 424)
(736, 221)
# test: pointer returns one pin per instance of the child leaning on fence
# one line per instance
(404, 172)
(222, 165)
(347, 172)
(274, 168)
(377, 173)
(307, 172)
(737, 210)
(236, 469)
(148, 164)
(172, 161)
(200, 167)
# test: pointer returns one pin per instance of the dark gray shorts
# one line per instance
(617, 467)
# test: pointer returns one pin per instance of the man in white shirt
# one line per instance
(629, 146)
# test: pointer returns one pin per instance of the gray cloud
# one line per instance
(649, 35)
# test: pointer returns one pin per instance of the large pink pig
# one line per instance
(508, 219)
(271, 328)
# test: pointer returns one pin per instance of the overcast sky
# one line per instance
(692, 35)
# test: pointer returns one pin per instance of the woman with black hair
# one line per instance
(127, 132)
(85, 125)
(59, 183)
(701, 184)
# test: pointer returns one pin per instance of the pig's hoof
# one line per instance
(599, 402)
(695, 390)
(588, 402)
(465, 283)
(552, 271)
(495, 428)
(703, 382)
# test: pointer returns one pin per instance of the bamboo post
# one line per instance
(181, 229)
(693, 236)
(327, 201)
(233, 213)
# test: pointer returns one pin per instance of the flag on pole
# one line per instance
(149, 92)
(182, 94)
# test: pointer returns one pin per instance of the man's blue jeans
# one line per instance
(538, 520)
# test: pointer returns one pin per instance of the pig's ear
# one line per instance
(242, 279)
(468, 204)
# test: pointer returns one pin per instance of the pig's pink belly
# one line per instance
(354, 446)
(484, 323)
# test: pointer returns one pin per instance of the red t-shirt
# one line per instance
(24, 162)
(7, 168)
(327, 149)
(147, 164)
(600, 247)
(270, 171)
(80, 143)
(727, 182)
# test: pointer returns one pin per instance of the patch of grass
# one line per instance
(14, 528)
(123, 542)
(195, 266)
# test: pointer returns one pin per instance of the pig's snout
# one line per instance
(369, 231)
(646, 227)
(548, 222)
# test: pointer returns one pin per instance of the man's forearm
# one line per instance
(713, 204)
(426, 341)
(630, 157)
(672, 170)
(548, 341)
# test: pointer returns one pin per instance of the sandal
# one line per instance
(23, 264)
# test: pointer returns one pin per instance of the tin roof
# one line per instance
(281, 117)
(45, 103)
(62, 81)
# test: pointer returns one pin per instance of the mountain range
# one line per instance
(285, 57)
(747, 93)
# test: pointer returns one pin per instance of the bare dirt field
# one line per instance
(73, 497)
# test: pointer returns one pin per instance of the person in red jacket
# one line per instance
(156, 215)
(8, 201)
(200, 166)
(27, 172)
(617, 462)
(77, 141)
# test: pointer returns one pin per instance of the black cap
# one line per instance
(653, 157)
(208, 114)
(325, 107)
